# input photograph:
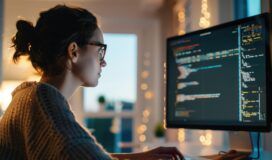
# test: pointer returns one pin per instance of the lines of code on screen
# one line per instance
(218, 77)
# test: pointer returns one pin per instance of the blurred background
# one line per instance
(126, 110)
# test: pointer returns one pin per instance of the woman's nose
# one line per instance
(103, 63)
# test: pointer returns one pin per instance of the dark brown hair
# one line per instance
(46, 43)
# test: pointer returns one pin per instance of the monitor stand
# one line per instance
(255, 144)
(240, 148)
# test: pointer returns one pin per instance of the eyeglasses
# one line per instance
(101, 51)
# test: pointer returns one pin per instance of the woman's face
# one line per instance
(89, 67)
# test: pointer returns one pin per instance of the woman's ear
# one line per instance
(73, 52)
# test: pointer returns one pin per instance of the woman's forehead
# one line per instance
(98, 36)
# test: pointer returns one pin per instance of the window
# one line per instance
(253, 7)
(246, 8)
(118, 80)
(111, 103)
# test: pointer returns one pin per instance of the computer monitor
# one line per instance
(219, 78)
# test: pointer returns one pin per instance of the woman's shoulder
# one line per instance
(48, 95)
(23, 87)
(44, 92)
(54, 107)
(51, 100)
(42, 96)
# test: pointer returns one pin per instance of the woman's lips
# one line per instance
(99, 73)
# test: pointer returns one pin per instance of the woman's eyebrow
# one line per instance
(98, 42)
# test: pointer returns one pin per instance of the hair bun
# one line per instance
(23, 39)
(26, 30)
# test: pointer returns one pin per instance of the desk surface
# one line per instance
(194, 151)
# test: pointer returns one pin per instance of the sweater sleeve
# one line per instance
(59, 136)
(81, 148)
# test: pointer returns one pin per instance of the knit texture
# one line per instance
(39, 124)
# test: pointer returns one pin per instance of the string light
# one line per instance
(145, 74)
(146, 113)
(164, 98)
(164, 114)
(145, 148)
(142, 138)
(181, 135)
(181, 17)
(206, 139)
(204, 20)
(144, 86)
(148, 95)
(143, 127)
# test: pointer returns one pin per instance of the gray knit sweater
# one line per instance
(39, 124)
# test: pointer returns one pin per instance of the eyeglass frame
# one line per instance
(103, 47)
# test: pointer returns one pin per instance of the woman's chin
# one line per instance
(90, 84)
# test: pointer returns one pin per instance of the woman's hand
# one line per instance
(163, 153)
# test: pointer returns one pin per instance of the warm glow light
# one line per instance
(179, 10)
(146, 113)
(142, 138)
(141, 129)
(164, 114)
(145, 74)
(181, 135)
(206, 139)
(181, 20)
(5, 93)
(34, 78)
(181, 32)
(164, 124)
(207, 15)
(204, 21)
(145, 148)
(144, 86)
(181, 16)
(148, 95)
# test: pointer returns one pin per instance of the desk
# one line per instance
(194, 151)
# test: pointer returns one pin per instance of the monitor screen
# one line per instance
(218, 78)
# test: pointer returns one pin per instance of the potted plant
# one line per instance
(101, 101)
(159, 132)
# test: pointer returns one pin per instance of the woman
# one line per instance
(67, 47)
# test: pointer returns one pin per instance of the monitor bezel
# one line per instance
(265, 128)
